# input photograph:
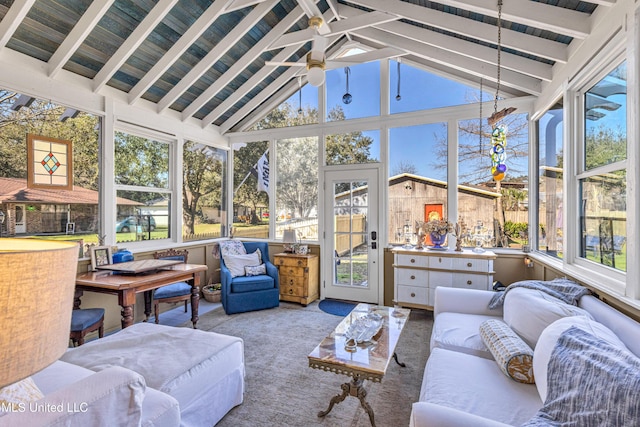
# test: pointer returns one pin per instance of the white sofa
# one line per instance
(145, 375)
(464, 386)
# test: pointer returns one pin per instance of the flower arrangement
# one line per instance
(439, 226)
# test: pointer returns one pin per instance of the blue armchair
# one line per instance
(249, 293)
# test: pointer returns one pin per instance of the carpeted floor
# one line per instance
(281, 389)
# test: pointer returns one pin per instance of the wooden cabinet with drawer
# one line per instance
(417, 273)
(298, 277)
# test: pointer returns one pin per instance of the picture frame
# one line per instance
(100, 255)
(71, 228)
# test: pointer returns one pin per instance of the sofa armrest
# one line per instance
(424, 414)
(461, 300)
(107, 398)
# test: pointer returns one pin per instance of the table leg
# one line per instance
(148, 296)
(127, 316)
(195, 299)
(354, 388)
(395, 357)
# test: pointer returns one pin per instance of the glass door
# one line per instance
(352, 236)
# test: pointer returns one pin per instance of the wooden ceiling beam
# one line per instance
(214, 55)
(12, 19)
(135, 39)
(516, 40)
(179, 47)
(77, 35)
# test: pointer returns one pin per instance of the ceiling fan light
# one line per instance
(315, 76)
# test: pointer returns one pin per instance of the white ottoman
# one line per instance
(203, 371)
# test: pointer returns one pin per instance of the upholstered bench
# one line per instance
(203, 371)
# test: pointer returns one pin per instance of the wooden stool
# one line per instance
(84, 321)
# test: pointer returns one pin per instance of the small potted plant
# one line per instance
(212, 292)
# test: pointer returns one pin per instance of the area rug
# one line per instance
(281, 389)
(336, 307)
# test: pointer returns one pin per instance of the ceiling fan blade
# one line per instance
(285, 64)
(374, 55)
(318, 47)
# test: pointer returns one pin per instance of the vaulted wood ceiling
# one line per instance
(206, 59)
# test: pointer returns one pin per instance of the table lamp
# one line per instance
(289, 240)
(37, 282)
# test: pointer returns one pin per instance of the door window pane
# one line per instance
(350, 229)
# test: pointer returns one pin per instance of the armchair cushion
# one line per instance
(173, 290)
(252, 283)
(237, 263)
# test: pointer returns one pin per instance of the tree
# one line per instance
(404, 167)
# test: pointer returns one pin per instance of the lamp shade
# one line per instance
(37, 281)
(289, 236)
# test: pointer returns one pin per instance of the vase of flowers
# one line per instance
(438, 230)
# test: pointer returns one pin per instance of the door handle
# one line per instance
(374, 235)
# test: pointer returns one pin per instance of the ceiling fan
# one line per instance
(316, 62)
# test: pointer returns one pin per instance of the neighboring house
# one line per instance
(35, 211)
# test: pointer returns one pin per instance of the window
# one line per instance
(363, 91)
(70, 214)
(251, 182)
(493, 213)
(417, 176)
(549, 129)
(204, 206)
(141, 169)
(602, 172)
(300, 109)
(297, 187)
(421, 90)
(353, 148)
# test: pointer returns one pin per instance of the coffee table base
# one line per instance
(353, 388)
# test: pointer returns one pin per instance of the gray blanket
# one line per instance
(590, 383)
(561, 288)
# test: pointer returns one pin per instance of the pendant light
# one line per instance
(398, 97)
(300, 95)
(347, 98)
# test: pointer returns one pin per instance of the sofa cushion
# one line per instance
(590, 383)
(237, 263)
(513, 356)
(252, 284)
(529, 311)
(476, 385)
(460, 332)
(549, 338)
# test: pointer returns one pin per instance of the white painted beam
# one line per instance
(214, 55)
(172, 55)
(311, 10)
(76, 36)
(472, 66)
(248, 86)
(534, 14)
(536, 46)
(510, 61)
(241, 4)
(12, 19)
(359, 20)
(244, 62)
(137, 37)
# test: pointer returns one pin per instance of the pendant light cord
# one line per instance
(480, 120)
(398, 97)
(495, 101)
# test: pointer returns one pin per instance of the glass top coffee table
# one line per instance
(346, 350)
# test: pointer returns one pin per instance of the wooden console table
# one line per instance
(126, 286)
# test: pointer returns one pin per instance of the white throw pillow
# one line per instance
(550, 335)
(237, 263)
(529, 311)
(18, 395)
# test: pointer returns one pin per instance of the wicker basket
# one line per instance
(210, 294)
